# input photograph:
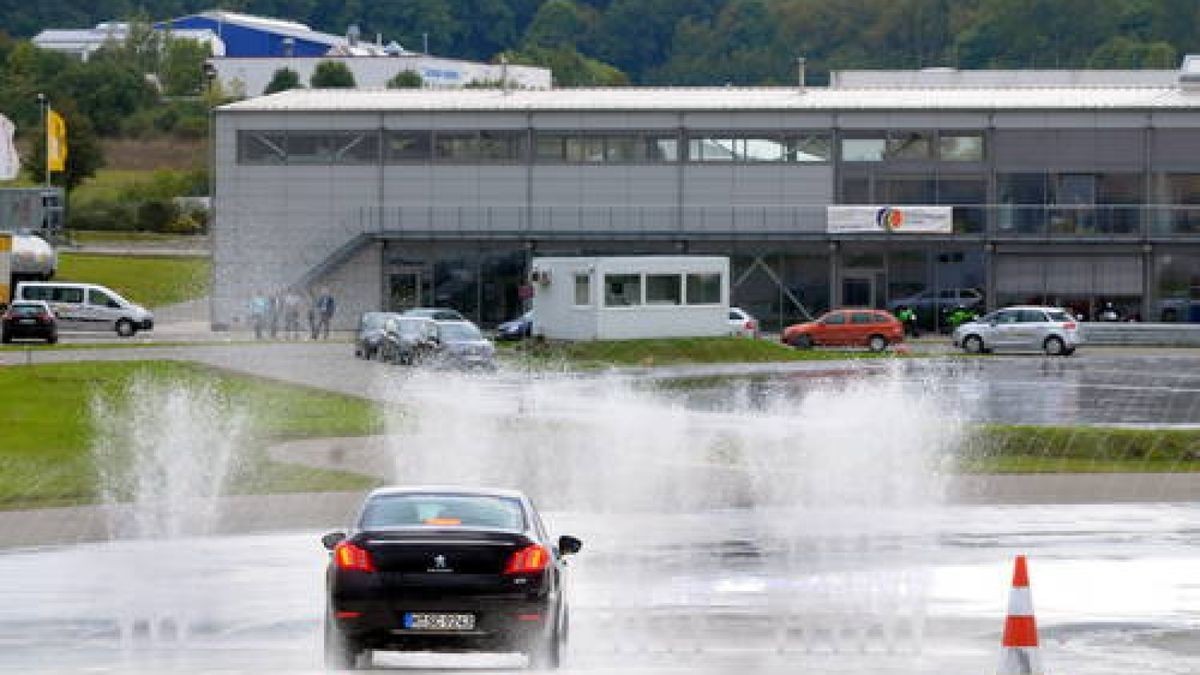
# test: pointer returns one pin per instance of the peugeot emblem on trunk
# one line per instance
(439, 561)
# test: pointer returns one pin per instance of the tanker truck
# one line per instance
(24, 257)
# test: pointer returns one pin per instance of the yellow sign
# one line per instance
(56, 141)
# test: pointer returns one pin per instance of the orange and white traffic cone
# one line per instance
(1019, 648)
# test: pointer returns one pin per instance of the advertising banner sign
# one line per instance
(894, 219)
(5, 267)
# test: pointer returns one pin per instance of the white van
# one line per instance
(87, 307)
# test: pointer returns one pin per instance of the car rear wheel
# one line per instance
(6, 339)
(340, 653)
(1054, 346)
(53, 339)
(547, 654)
(125, 328)
(973, 344)
(877, 343)
(802, 342)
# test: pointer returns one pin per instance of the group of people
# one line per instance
(268, 311)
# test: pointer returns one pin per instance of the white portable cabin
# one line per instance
(628, 297)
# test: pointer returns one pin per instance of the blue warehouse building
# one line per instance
(253, 36)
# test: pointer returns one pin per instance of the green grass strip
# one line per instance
(45, 449)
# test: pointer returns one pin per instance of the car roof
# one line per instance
(1041, 307)
(394, 490)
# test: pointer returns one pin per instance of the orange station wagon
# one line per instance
(871, 328)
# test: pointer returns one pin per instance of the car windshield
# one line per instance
(459, 332)
(374, 321)
(443, 510)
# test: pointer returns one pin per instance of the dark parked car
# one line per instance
(370, 334)
(446, 569)
(517, 329)
(435, 313)
(461, 345)
(409, 340)
(29, 319)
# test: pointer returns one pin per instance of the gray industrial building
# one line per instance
(1074, 188)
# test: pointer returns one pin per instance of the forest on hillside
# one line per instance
(719, 41)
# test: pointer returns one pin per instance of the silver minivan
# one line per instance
(87, 307)
(1025, 328)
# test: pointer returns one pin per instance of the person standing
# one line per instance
(274, 309)
(291, 314)
(259, 307)
(324, 310)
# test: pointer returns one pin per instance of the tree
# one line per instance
(558, 23)
(332, 75)
(84, 155)
(182, 68)
(282, 80)
(569, 67)
(406, 79)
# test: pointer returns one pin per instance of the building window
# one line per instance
(662, 148)
(622, 290)
(664, 289)
(583, 290)
(596, 148)
(704, 289)
(408, 146)
(332, 147)
(808, 148)
(262, 147)
(960, 147)
(479, 146)
(863, 149)
(909, 146)
(585, 149)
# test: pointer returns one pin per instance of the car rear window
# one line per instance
(26, 310)
(1032, 316)
(443, 510)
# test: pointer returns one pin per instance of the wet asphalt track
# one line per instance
(1115, 589)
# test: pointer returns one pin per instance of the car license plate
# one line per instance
(430, 621)
(26, 322)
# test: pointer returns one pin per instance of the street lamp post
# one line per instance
(44, 108)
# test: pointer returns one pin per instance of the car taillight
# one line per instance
(529, 560)
(347, 556)
(45, 318)
(749, 325)
(1069, 326)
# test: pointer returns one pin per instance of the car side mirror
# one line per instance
(568, 545)
(333, 539)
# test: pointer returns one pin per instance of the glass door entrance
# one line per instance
(404, 291)
(858, 290)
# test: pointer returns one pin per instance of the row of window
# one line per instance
(1025, 189)
(509, 146)
(631, 290)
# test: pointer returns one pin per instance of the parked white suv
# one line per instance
(1024, 328)
(87, 307)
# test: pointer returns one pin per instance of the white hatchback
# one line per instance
(1026, 328)
(741, 324)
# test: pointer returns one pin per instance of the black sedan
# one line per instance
(29, 320)
(446, 569)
